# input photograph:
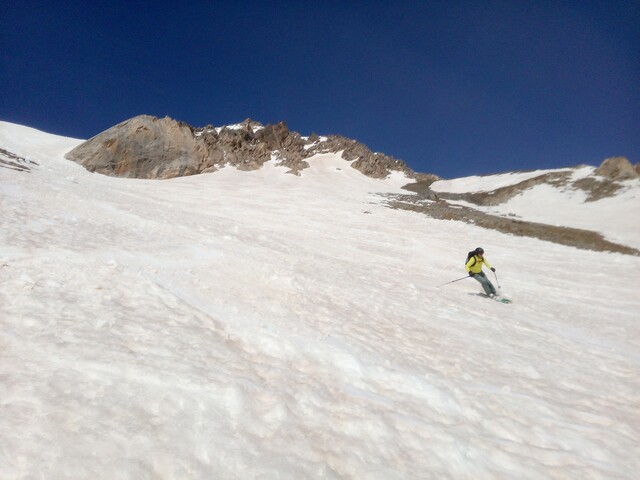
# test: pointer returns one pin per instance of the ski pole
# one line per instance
(494, 274)
(453, 281)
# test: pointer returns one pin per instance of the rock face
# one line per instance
(249, 145)
(617, 168)
(142, 147)
(149, 147)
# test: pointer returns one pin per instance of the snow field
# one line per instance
(260, 325)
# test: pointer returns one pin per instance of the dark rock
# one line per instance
(422, 186)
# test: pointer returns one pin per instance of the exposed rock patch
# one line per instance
(605, 182)
(597, 189)
(422, 186)
(12, 161)
(574, 237)
(617, 168)
(504, 194)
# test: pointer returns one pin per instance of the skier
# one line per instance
(474, 267)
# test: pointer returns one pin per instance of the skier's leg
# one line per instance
(486, 284)
(478, 277)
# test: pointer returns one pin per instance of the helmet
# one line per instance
(479, 250)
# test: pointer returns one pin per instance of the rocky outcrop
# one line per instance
(617, 168)
(422, 186)
(149, 147)
(249, 145)
(142, 147)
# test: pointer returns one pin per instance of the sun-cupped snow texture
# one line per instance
(243, 325)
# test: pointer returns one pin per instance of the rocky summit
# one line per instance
(618, 168)
(150, 147)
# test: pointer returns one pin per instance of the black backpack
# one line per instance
(469, 255)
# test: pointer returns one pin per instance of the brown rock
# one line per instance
(142, 147)
(617, 168)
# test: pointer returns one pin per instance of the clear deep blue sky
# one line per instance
(453, 88)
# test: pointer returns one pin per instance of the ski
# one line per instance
(503, 300)
(496, 298)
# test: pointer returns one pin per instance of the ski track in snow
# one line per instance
(259, 325)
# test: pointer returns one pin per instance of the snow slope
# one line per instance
(244, 325)
(616, 218)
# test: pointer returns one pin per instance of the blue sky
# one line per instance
(453, 88)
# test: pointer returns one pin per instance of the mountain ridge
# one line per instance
(149, 147)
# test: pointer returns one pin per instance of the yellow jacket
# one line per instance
(474, 264)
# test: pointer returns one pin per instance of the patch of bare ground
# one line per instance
(597, 189)
(584, 239)
(501, 195)
(12, 161)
